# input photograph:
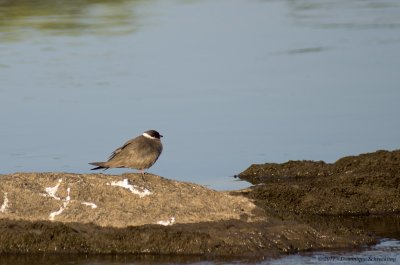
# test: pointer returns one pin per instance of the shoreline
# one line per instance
(284, 212)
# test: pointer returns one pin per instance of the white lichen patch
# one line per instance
(4, 206)
(170, 221)
(51, 191)
(90, 204)
(142, 192)
(67, 200)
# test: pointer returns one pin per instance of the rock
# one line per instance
(355, 195)
(368, 184)
(117, 201)
(96, 213)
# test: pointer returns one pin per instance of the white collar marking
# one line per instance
(148, 136)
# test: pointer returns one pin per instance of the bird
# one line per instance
(138, 153)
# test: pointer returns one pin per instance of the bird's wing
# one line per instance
(118, 150)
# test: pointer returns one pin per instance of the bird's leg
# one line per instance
(143, 179)
(142, 172)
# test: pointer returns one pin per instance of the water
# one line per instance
(386, 252)
(227, 82)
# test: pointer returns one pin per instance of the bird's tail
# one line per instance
(99, 165)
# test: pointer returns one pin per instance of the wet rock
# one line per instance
(355, 195)
(368, 184)
(210, 239)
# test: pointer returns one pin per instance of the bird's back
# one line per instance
(139, 153)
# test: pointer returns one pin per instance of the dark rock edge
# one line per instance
(355, 196)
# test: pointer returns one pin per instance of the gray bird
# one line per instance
(138, 153)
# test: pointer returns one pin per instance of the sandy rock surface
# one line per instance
(116, 201)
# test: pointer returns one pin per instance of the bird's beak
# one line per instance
(161, 136)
